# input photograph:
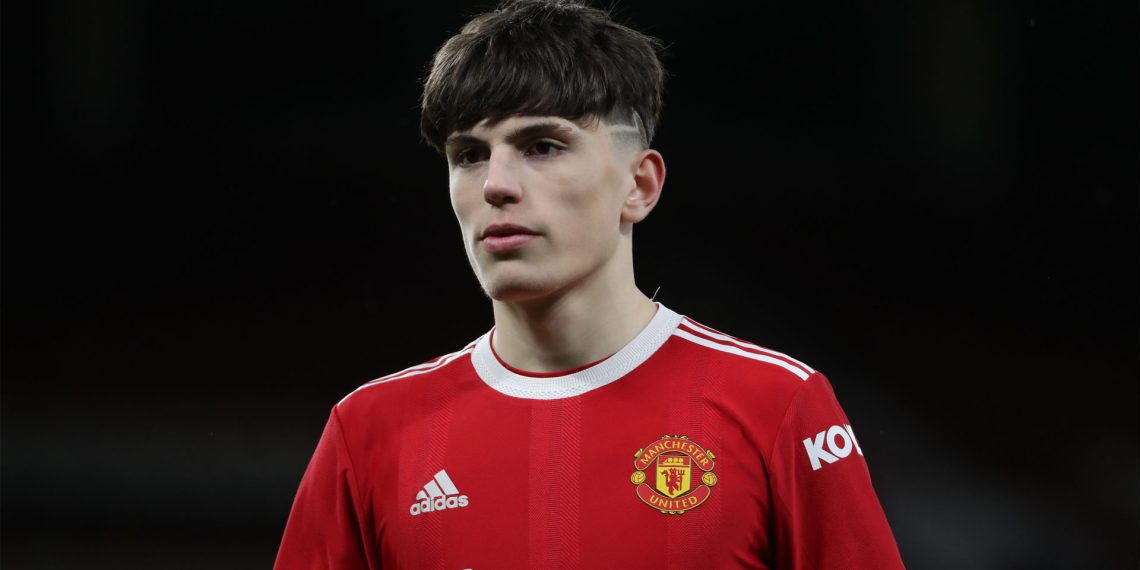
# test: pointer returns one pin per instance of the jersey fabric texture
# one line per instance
(687, 448)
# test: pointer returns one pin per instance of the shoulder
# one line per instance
(747, 358)
(407, 380)
(758, 386)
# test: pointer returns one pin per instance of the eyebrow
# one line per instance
(518, 135)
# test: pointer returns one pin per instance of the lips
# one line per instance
(506, 230)
(500, 238)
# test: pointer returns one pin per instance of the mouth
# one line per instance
(506, 230)
(499, 238)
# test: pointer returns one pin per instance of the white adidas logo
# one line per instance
(439, 494)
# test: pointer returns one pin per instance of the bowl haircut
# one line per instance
(544, 58)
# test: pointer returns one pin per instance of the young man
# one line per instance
(591, 427)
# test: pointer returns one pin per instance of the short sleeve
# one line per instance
(325, 529)
(825, 511)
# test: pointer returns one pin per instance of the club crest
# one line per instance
(673, 474)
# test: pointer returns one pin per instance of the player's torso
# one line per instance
(661, 469)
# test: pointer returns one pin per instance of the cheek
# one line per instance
(455, 205)
(592, 214)
(599, 205)
(461, 201)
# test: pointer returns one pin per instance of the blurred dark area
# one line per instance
(218, 220)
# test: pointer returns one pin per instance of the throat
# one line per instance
(567, 334)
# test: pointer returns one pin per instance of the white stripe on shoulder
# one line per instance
(698, 327)
(803, 375)
(431, 365)
(405, 374)
(417, 369)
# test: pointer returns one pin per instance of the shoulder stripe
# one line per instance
(416, 370)
(438, 361)
(698, 327)
(803, 375)
(425, 367)
(408, 373)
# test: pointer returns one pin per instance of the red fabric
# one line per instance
(327, 528)
(548, 482)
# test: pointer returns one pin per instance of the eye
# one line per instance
(544, 148)
(469, 156)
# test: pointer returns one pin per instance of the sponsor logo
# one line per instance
(831, 445)
(439, 494)
(673, 474)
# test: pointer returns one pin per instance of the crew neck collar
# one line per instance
(500, 378)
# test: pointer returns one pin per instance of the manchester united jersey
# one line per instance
(687, 448)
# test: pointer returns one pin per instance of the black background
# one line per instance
(217, 221)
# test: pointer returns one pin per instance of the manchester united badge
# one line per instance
(673, 474)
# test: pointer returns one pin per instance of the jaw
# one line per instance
(539, 278)
(515, 280)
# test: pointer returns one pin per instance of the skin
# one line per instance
(567, 297)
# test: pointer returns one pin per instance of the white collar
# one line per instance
(503, 380)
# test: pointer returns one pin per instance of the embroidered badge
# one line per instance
(673, 474)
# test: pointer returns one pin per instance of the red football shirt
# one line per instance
(687, 448)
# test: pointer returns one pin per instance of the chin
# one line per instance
(516, 292)
(517, 288)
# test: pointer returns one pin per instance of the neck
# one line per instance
(588, 322)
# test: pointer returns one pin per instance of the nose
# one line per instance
(502, 184)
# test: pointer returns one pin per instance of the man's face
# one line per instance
(539, 201)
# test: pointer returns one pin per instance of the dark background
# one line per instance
(217, 221)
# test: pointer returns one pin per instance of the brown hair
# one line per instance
(542, 57)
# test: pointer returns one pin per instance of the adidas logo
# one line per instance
(439, 494)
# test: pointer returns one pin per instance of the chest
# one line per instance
(480, 481)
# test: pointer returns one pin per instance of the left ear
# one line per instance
(648, 178)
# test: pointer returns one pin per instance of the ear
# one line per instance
(648, 178)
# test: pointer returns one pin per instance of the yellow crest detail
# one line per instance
(682, 472)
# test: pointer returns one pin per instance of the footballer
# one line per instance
(590, 427)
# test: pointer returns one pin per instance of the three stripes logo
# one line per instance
(437, 495)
